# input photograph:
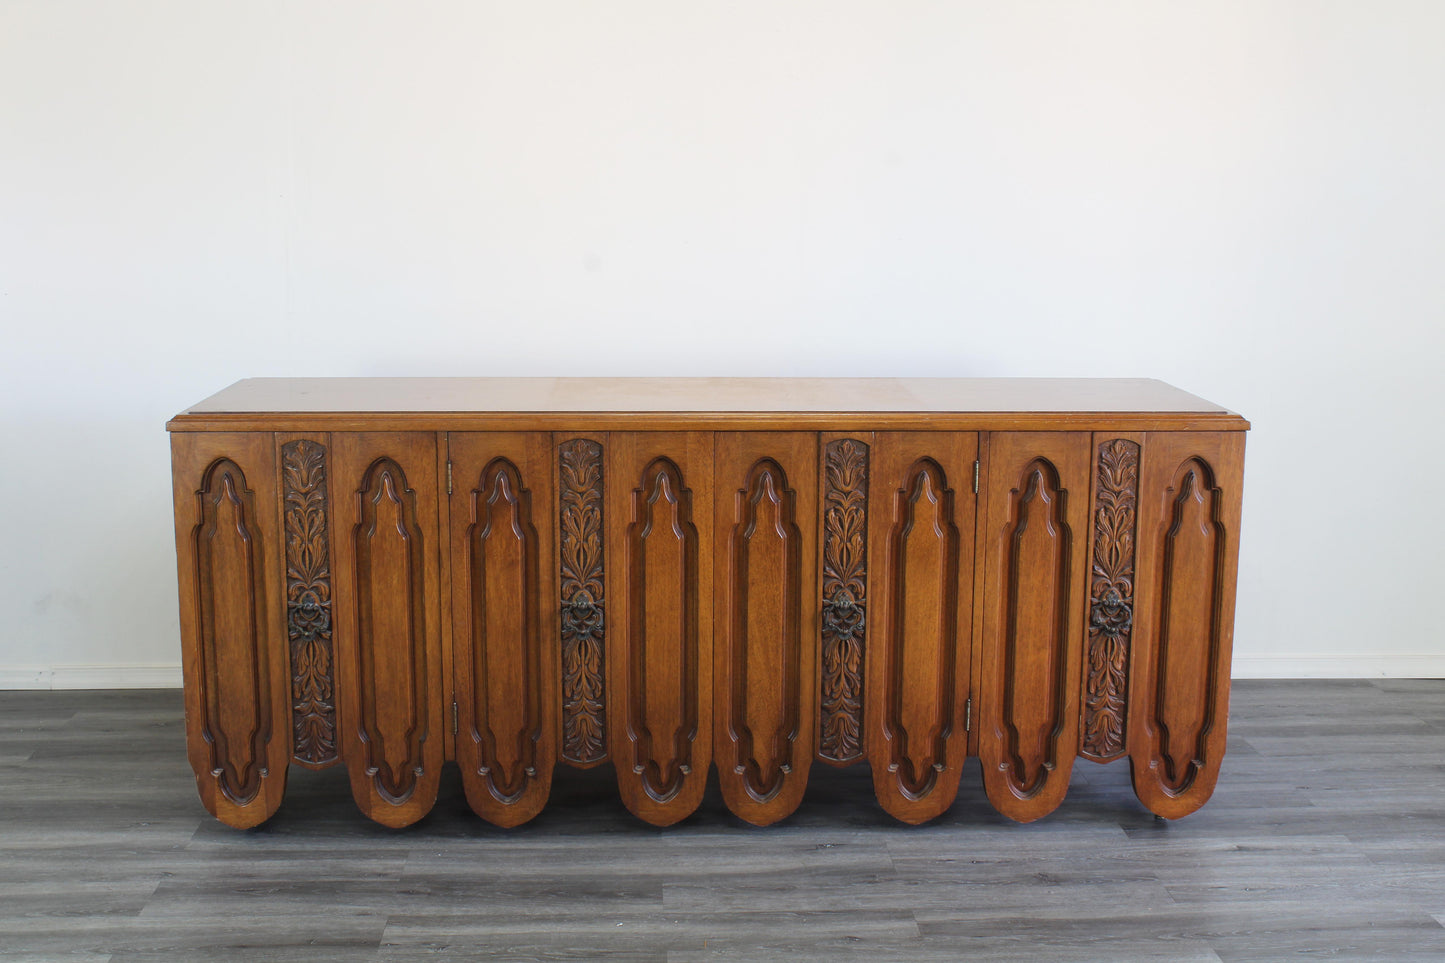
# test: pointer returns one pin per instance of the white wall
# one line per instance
(1242, 198)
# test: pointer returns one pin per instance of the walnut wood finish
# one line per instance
(1034, 550)
(921, 514)
(659, 656)
(692, 404)
(504, 621)
(661, 572)
(309, 614)
(233, 635)
(660, 398)
(765, 620)
(1190, 497)
(1113, 516)
(844, 629)
(388, 621)
(583, 572)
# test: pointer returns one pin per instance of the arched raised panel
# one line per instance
(1189, 511)
(1037, 624)
(1033, 620)
(765, 647)
(505, 644)
(391, 628)
(386, 599)
(766, 626)
(233, 669)
(1188, 637)
(232, 621)
(504, 621)
(658, 657)
(662, 578)
(921, 518)
(923, 549)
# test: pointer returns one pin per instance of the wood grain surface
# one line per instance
(659, 656)
(600, 404)
(671, 600)
(922, 511)
(765, 620)
(504, 621)
(388, 620)
(232, 620)
(1035, 544)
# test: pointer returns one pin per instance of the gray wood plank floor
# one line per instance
(1326, 838)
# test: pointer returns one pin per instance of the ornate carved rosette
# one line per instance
(308, 603)
(1111, 609)
(583, 627)
(845, 551)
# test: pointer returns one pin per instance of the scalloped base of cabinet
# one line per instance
(394, 574)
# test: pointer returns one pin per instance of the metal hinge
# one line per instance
(454, 717)
(449, 491)
(975, 476)
(968, 715)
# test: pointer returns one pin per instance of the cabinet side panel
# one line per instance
(765, 599)
(232, 630)
(1033, 626)
(388, 631)
(504, 621)
(921, 517)
(660, 660)
(1190, 496)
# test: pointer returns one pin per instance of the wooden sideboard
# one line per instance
(671, 574)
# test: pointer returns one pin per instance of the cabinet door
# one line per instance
(1035, 543)
(504, 618)
(921, 521)
(1189, 507)
(233, 636)
(765, 578)
(659, 655)
(388, 620)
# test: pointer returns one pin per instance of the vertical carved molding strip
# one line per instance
(308, 603)
(1111, 606)
(582, 589)
(845, 573)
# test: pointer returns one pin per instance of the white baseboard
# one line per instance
(1423, 666)
(169, 676)
(165, 676)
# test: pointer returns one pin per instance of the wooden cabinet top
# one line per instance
(846, 404)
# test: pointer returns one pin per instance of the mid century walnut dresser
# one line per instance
(670, 574)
